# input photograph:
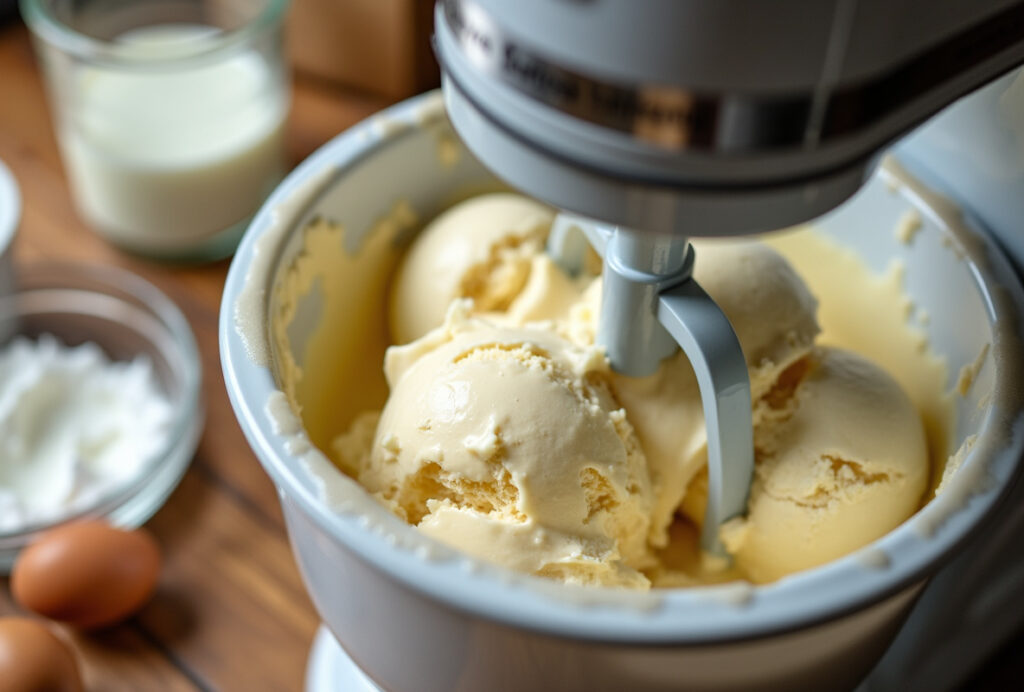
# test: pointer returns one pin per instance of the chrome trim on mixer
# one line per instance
(666, 116)
(677, 119)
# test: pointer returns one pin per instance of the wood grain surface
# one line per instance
(231, 612)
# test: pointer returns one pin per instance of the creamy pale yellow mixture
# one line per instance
(506, 434)
(325, 279)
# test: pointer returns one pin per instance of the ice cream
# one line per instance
(841, 460)
(841, 452)
(508, 443)
(484, 249)
(506, 434)
(767, 303)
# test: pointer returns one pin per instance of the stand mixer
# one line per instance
(652, 123)
(701, 118)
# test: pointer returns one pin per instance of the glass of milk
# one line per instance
(169, 113)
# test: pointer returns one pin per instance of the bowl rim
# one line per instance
(188, 411)
(693, 616)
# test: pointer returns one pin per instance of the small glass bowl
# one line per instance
(126, 317)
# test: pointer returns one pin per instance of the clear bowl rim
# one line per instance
(187, 413)
(719, 613)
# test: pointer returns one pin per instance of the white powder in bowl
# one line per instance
(73, 426)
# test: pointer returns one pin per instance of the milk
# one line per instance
(163, 158)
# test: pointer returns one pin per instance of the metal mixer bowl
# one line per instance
(416, 615)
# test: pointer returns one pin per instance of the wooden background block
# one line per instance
(382, 46)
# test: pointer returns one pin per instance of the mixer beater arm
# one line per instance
(708, 340)
(650, 306)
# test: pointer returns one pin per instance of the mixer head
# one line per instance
(707, 117)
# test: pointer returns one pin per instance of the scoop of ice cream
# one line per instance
(767, 303)
(507, 443)
(844, 462)
(483, 249)
(666, 411)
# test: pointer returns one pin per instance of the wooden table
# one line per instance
(231, 612)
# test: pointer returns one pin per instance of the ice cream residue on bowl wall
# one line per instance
(507, 436)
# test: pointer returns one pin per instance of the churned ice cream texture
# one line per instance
(841, 459)
(507, 435)
(508, 443)
(488, 249)
(841, 456)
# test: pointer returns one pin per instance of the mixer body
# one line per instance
(725, 117)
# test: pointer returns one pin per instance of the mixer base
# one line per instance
(329, 668)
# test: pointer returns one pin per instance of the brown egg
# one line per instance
(34, 659)
(87, 574)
